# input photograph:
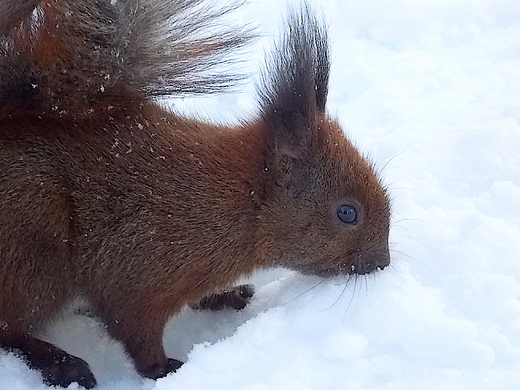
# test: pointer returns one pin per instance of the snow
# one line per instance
(430, 90)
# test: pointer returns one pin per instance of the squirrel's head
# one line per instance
(324, 211)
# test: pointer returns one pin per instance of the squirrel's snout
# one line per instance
(367, 262)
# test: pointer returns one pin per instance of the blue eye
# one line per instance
(347, 214)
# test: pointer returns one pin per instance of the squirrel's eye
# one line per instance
(347, 214)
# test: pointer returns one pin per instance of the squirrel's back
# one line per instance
(73, 58)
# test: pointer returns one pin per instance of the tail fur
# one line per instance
(71, 57)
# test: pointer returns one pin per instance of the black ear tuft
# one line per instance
(296, 86)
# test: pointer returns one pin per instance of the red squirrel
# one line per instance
(108, 197)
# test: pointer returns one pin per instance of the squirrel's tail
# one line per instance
(74, 57)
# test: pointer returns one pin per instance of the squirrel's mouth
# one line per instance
(351, 269)
(369, 260)
(361, 262)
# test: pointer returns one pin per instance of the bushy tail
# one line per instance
(71, 57)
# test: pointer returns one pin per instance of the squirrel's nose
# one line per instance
(370, 261)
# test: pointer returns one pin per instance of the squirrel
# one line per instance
(108, 197)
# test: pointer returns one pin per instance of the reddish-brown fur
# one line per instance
(108, 197)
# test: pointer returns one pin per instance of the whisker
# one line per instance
(103, 336)
(340, 296)
(408, 220)
(390, 160)
(305, 292)
(403, 254)
(366, 283)
(405, 188)
(351, 300)
(397, 272)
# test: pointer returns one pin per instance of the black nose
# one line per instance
(368, 262)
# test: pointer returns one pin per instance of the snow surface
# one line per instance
(430, 90)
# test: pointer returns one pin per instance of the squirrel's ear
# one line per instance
(295, 92)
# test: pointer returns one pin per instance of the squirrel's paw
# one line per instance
(236, 298)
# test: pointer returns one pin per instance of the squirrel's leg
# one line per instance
(28, 299)
(140, 328)
(237, 298)
(57, 367)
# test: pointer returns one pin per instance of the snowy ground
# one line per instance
(430, 89)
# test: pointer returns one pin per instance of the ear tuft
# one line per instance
(295, 89)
